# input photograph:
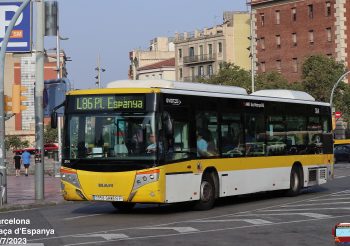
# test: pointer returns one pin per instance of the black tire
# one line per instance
(295, 182)
(207, 193)
(123, 206)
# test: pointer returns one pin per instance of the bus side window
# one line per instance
(296, 135)
(254, 133)
(207, 124)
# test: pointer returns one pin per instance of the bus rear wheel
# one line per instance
(295, 182)
(123, 206)
(207, 193)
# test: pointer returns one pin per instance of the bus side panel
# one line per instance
(253, 180)
(181, 187)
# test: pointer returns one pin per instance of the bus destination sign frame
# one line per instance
(107, 103)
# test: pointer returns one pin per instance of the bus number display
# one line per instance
(108, 102)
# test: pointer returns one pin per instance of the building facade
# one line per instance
(160, 49)
(160, 70)
(20, 69)
(199, 54)
(288, 31)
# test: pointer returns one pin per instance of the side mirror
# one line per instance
(54, 120)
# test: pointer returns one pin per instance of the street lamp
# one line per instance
(335, 86)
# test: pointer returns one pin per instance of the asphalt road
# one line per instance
(259, 219)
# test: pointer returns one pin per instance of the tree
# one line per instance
(50, 135)
(15, 142)
(319, 74)
(274, 80)
(230, 74)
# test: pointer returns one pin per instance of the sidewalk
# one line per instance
(21, 192)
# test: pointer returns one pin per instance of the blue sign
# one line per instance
(21, 35)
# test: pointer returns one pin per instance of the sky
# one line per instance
(113, 28)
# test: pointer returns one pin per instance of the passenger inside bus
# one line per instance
(202, 145)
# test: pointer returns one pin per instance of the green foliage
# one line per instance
(230, 74)
(15, 142)
(319, 74)
(274, 80)
(50, 135)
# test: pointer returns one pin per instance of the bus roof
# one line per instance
(290, 94)
(168, 84)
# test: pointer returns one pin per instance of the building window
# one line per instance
(263, 67)
(278, 17)
(180, 73)
(262, 43)
(191, 51)
(328, 9)
(329, 34)
(295, 65)
(200, 71)
(262, 19)
(210, 70)
(310, 9)
(278, 41)
(311, 36)
(180, 53)
(294, 39)
(210, 51)
(294, 14)
(278, 65)
(220, 47)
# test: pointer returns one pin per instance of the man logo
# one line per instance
(173, 101)
(105, 185)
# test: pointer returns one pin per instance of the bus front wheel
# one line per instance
(207, 193)
(295, 182)
(123, 206)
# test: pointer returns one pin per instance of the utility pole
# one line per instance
(99, 70)
(39, 112)
(3, 174)
(252, 49)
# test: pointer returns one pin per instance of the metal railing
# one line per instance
(199, 58)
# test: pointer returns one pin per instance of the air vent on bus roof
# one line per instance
(168, 84)
(289, 94)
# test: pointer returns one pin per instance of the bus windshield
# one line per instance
(111, 136)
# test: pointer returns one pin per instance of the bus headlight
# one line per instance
(71, 177)
(145, 177)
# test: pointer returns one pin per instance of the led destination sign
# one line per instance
(108, 102)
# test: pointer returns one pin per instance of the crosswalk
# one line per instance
(322, 208)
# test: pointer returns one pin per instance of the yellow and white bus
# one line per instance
(136, 142)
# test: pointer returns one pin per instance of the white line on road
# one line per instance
(206, 231)
(105, 236)
(330, 199)
(306, 209)
(83, 216)
(314, 204)
(178, 229)
(250, 221)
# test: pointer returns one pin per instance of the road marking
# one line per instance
(340, 177)
(197, 232)
(306, 209)
(312, 215)
(314, 204)
(105, 236)
(83, 216)
(178, 229)
(250, 221)
(317, 216)
(330, 199)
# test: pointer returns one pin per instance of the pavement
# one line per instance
(21, 192)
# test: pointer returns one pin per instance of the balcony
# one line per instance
(198, 78)
(198, 59)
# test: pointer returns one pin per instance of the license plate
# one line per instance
(108, 198)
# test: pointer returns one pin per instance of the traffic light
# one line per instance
(7, 107)
(17, 98)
